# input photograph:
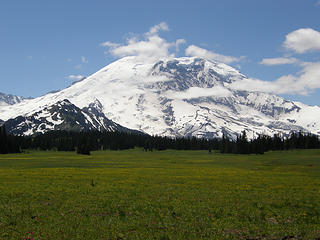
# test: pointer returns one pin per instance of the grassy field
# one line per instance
(160, 195)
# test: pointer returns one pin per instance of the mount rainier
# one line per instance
(177, 97)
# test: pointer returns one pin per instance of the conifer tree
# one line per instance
(3, 140)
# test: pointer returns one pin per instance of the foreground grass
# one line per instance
(160, 195)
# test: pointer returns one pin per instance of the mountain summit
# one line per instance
(179, 97)
(9, 99)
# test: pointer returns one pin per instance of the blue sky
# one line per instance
(46, 45)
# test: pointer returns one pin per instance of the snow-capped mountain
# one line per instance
(9, 99)
(63, 115)
(179, 97)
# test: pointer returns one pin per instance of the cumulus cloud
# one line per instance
(195, 51)
(196, 92)
(178, 43)
(150, 47)
(311, 76)
(304, 83)
(75, 77)
(279, 61)
(153, 47)
(157, 28)
(303, 40)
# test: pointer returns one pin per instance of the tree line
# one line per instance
(265, 143)
(85, 142)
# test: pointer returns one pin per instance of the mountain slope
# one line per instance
(179, 97)
(63, 115)
(9, 99)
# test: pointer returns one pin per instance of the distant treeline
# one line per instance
(84, 142)
(265, 143)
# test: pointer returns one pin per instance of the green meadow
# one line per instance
(160, 195)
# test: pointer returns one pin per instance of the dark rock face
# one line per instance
(63, 115)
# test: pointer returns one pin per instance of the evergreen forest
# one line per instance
(84, 142)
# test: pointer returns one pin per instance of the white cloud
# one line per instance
(110, 44)
(150, 47)
(303, 40)
(318, 3)
(195, 51)
(279, 61)
(196, 92)
(250, 84)
(310, 76)
(157, 28)
(178, 43)
(304, 83)
(75, 77)
(153, 47)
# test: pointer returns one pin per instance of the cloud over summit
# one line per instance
(150, 47)
(153, 47)
(195, 51)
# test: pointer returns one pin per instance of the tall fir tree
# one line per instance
(3, 140)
